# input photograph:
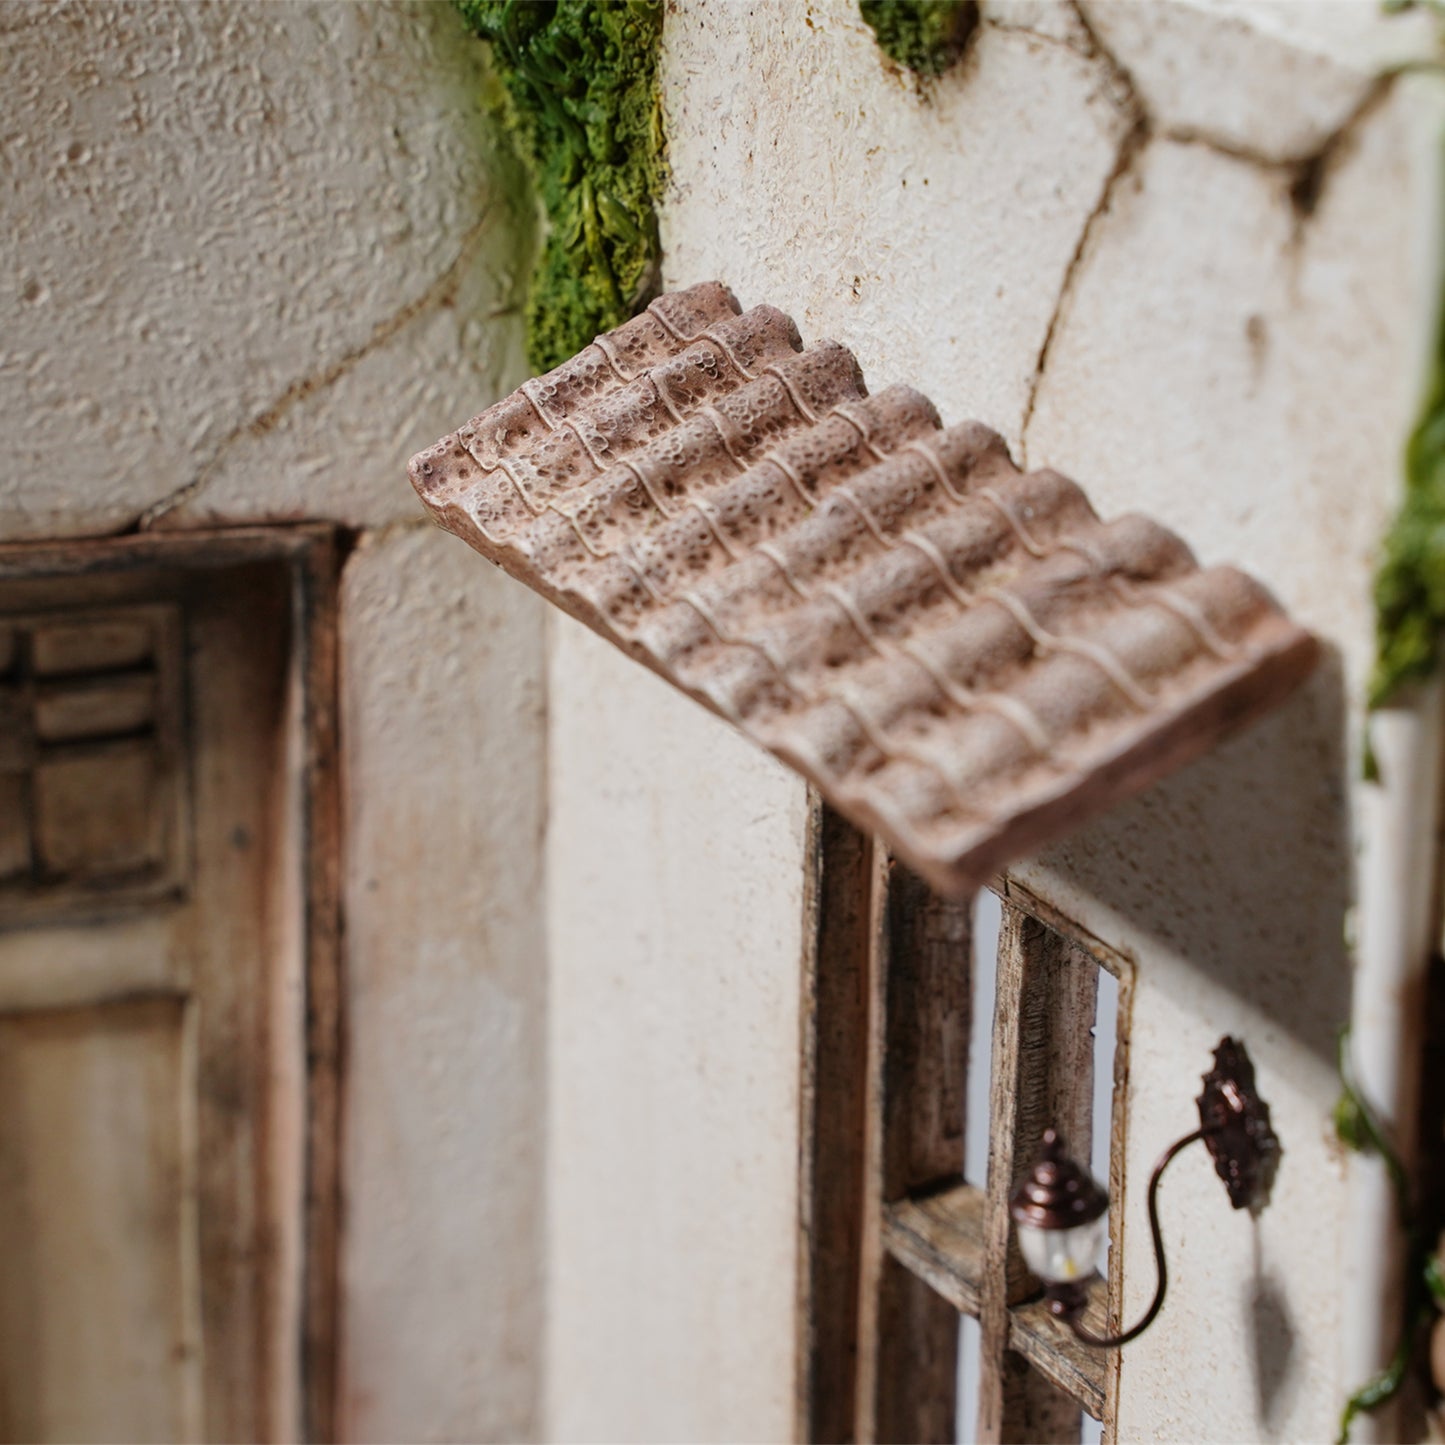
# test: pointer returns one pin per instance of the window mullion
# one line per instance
(922, 995)
(1042, 1075)
(837, 987)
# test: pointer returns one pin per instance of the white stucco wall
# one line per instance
(256, 255)
(255, 252)
(1088, 241)
(675, 916)
(442, 717)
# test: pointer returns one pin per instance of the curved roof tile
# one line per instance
(961, 657)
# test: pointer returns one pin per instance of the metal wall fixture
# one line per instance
(1060, 1212)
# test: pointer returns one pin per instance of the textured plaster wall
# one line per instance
(255, 256)
(258, 254)
(244, 242)
(1177, 250)
(443, 719)
(675, 917)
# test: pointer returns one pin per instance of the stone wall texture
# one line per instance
(256, 255)
(1183, 251)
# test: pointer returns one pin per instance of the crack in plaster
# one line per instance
(1313, 171)
(1132, 110)
(440, 293)
(1062, 41)
(1308, 174)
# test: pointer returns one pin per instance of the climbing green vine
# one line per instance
(925, 36)
(581, 100)
(1410, 583)
(1358, 1128)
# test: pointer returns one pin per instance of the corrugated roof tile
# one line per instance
(961, 656)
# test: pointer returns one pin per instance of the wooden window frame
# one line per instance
(894, 1246)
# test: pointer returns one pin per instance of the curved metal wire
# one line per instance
(1109, 1342)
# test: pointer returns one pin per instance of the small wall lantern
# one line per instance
(1060, 1212)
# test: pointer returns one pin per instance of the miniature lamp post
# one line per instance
(1061, 1214)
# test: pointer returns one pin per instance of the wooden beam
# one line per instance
(919, 1066)
(940, 1238)
(317, 639)
(927, 1016)
(916, 1384)
(835, 1016)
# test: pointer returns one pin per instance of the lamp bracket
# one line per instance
(1235, 1123)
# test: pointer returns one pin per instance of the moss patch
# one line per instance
(925, 36)
(581, 100)
(1410, 585)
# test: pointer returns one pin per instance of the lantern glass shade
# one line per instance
(1063, 1256)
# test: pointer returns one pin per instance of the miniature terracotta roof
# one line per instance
(962, 657)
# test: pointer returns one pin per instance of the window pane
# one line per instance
(1106, 1029)
(987, 917)
(967, 1417)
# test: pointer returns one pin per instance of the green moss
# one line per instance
(1410, 584)
(581, 87)
(926, 36)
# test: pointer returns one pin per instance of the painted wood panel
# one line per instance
(99, 1325)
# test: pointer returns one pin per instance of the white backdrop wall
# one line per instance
(258, 254)
(1085, 236)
